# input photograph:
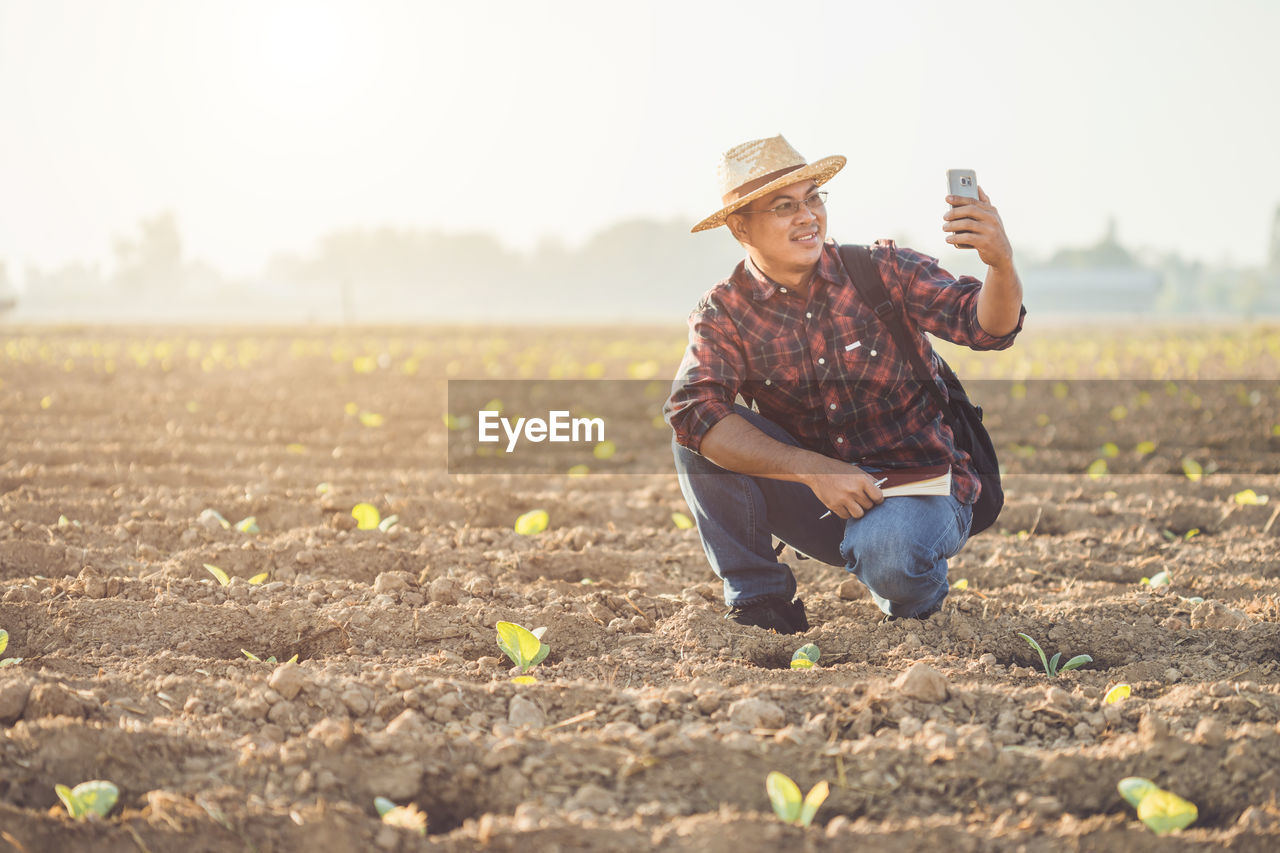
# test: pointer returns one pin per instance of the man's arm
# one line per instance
(1000, 299)
(735, 445)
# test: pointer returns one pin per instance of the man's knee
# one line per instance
(896, 564)
(895, 568)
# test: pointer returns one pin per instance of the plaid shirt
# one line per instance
(825, 368)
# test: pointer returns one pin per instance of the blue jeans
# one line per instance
(899, 549)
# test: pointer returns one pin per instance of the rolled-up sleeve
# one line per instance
(709, 378)
(944, 305)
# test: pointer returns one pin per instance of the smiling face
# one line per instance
(782, 247)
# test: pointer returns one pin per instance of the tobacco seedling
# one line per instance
(4, 644)
(524, 647)
(532, 522)
(1163, 812)
(88, 798)
(218, 574)
(784, 794)
(251, 656)
(248, 525)
(805, 657)
(1117, 693)
(1051, 667)
(405, 817)
(366, 515)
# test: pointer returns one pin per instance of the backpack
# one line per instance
(958, 411)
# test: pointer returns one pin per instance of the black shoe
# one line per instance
(771, 612)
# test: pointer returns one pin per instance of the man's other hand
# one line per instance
(845, 489)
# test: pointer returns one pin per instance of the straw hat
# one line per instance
(759, 167)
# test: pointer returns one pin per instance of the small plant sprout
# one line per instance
(1097, 469)
(389, 522)
(251, 656)
(1158, 579)
(219, 575)
(681, 521)
(95, 798)
(259, 578)
(963, 583)
(1051, 667)
(532, 522)
(405, 817)
(1163, 812)
(1249, 497)
(1116, 694)
(524, 647)
(366, 515)
(805, 657)
(784, 794)
(1193, 469)
(248, 525)
(4, 644)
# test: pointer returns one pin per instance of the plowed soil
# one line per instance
(654, 721)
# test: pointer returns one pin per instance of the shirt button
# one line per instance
(808, 314)
(822, 361)
(768, 382)
(839, 439)
(833, 406)
(782, 289)
(873, 352)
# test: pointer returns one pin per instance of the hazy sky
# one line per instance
(264, 124)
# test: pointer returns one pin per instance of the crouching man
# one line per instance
(835, 402)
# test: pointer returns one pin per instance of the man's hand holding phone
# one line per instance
(974, 222)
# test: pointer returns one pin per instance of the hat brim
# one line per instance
(819, 171)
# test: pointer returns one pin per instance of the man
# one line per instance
(835, 401)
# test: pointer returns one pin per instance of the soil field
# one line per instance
(654, 721)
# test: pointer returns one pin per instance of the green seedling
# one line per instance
(1158, 579)
(251, 656)
(532, 522)
(219, 574)
(248, 525)
(4, 644)
(259, 578)
(524, 647)
(1116, 694)
(1051, 667)
(226, 525)
(1162, 812)
(784, 794)
(681, 521)
(805, 657)
(64, 523)
(405, 817)
(389, 522)
(366, 515)
(88, 798)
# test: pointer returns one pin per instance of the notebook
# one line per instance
(928, 480)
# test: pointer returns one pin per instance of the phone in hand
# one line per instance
(962, 182)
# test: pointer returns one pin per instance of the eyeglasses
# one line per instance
(788, 209)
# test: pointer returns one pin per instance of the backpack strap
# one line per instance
(866, 278)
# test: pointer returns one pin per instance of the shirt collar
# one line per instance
(761, 287)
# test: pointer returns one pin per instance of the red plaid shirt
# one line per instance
(825, 368)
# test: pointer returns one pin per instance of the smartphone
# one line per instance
(963, 182)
